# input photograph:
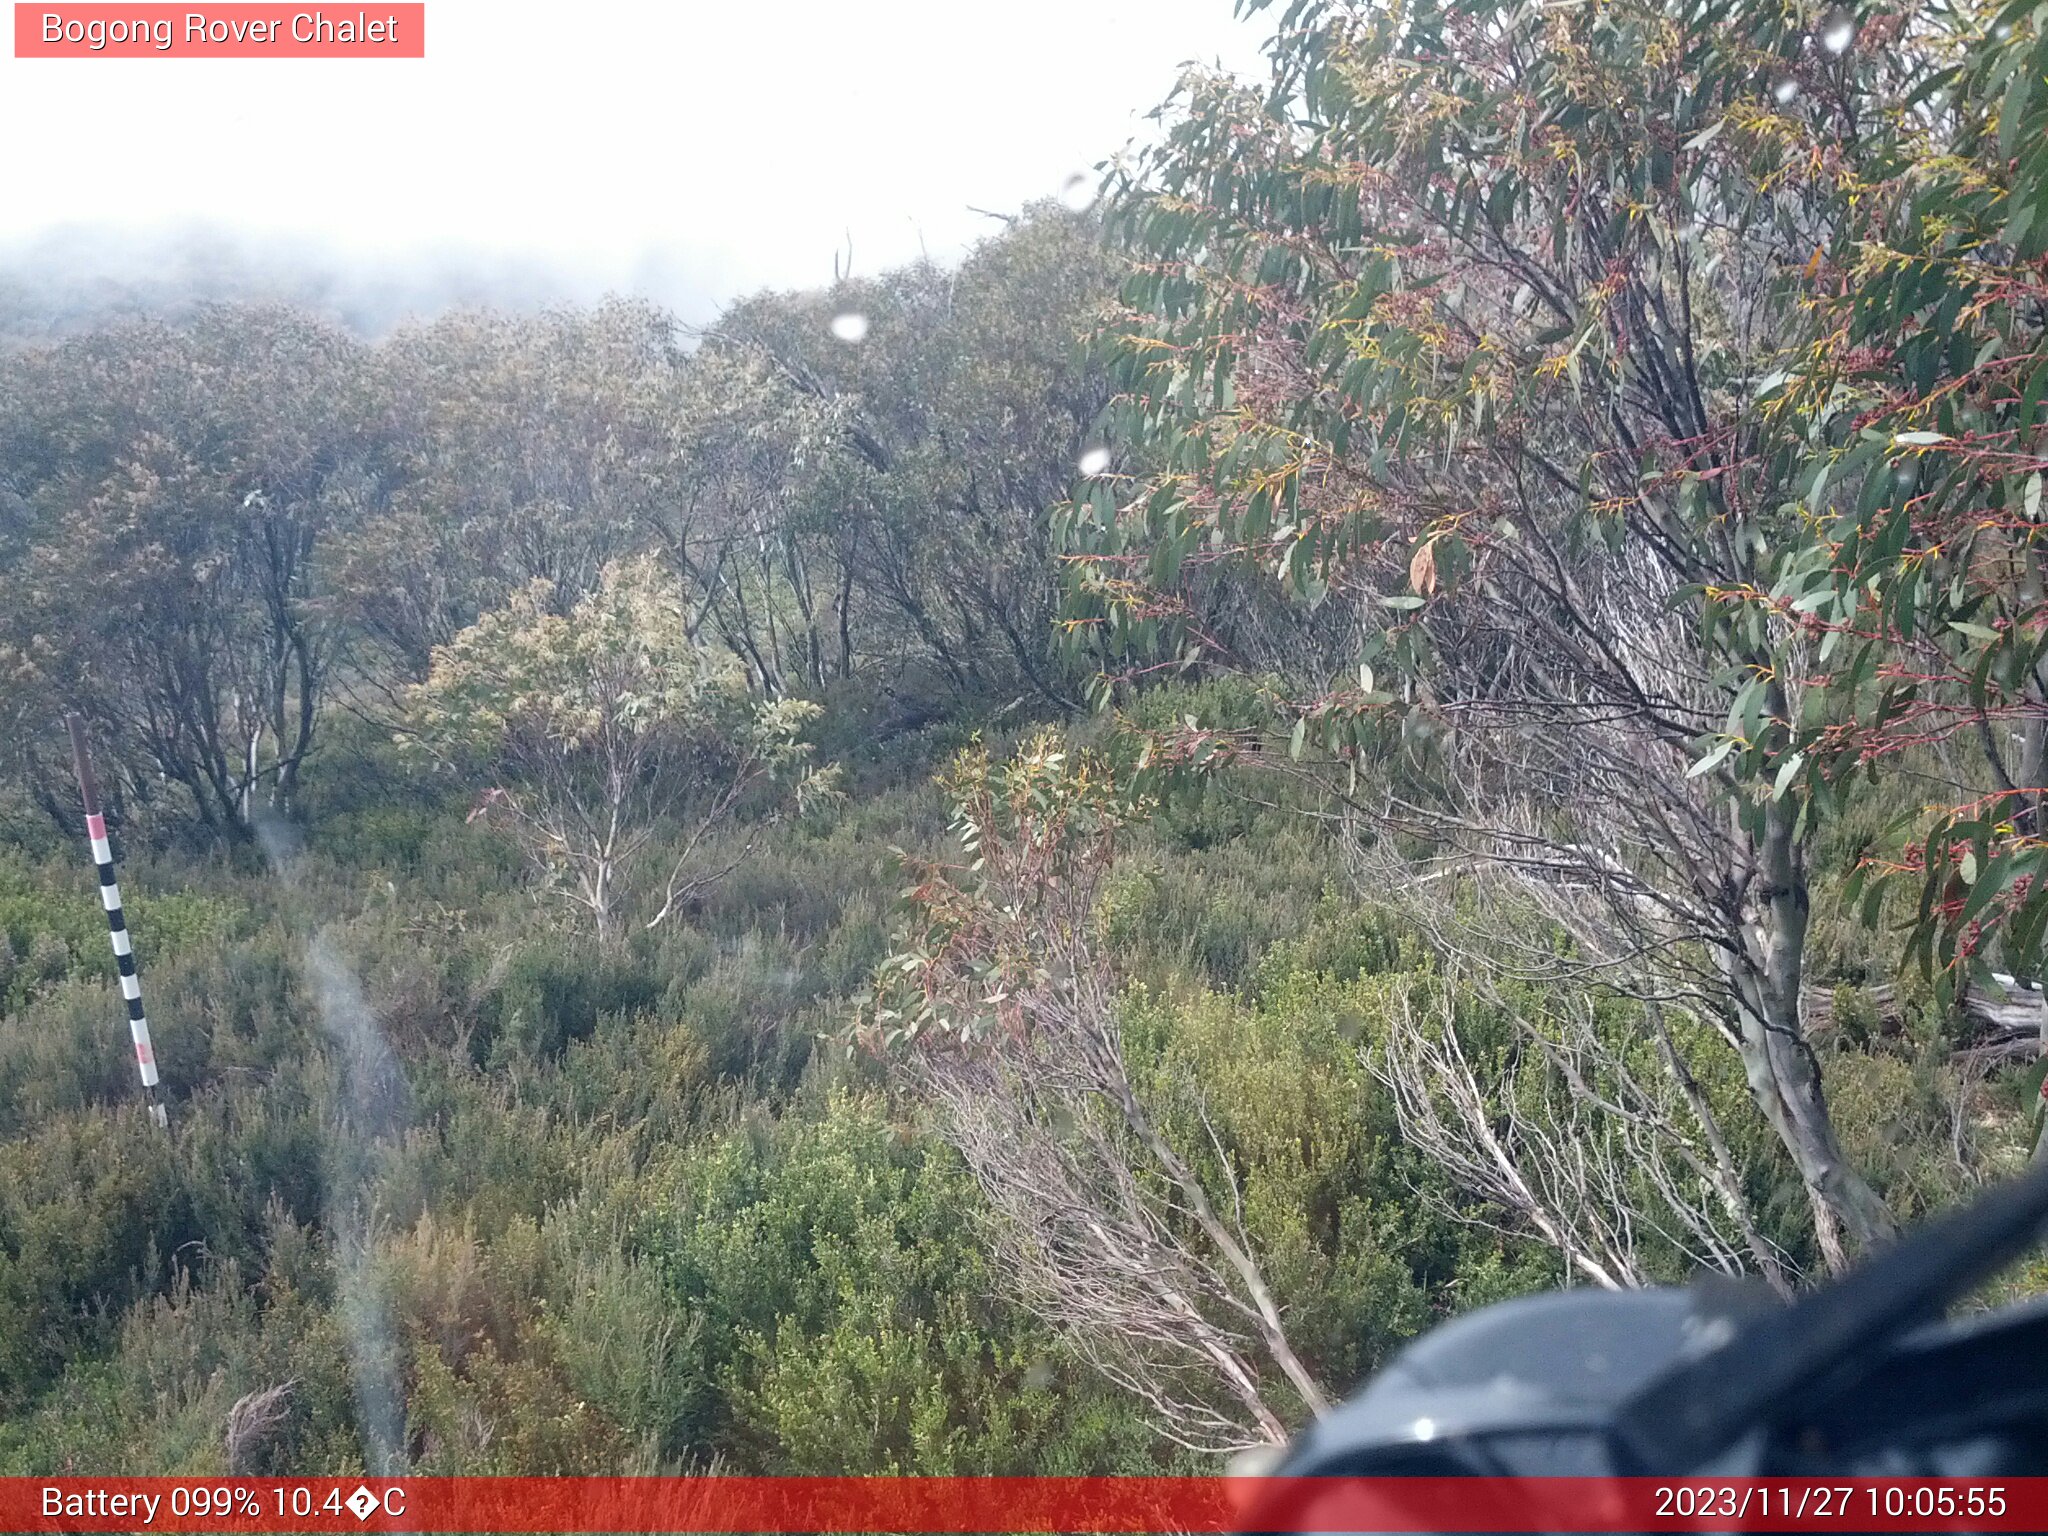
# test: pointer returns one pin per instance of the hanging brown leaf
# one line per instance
(1422, 569)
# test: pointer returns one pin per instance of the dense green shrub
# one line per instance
(852, 1314)
(622, 1212)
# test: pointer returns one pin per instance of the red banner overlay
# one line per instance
(997, 1504)
(377, 30)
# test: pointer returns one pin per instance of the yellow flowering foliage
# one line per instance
(605, 735)
(619, 663)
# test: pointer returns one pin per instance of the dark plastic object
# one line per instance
(1862, 1377)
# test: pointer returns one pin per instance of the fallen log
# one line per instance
(1998, 1017)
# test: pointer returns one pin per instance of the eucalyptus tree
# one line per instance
(750, 524)
(174, 493)
(947, 410)
(1458, 402)
(1921, 586)
(1001, 1007)
(532, 448)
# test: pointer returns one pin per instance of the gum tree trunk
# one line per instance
(1777, 1059)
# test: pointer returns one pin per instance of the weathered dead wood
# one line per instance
(2000, 1021)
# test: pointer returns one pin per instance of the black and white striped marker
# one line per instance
(117, 925)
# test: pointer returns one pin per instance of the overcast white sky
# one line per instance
(678, 146)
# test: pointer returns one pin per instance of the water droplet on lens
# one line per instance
(850, 328)
(1078, 192)
(1094, 461)
(1255, 1460)
(1837, 32)
(1784, 90)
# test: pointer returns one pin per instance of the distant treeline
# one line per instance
(213, 528)
(75, 279)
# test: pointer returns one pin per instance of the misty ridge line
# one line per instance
(74, 280)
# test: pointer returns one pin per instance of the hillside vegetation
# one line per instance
(1027, 868)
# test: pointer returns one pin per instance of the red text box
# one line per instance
(229, 31)
(958, 1506)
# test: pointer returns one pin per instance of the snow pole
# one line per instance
(117, 924)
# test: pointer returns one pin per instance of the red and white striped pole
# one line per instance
(117, 924)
